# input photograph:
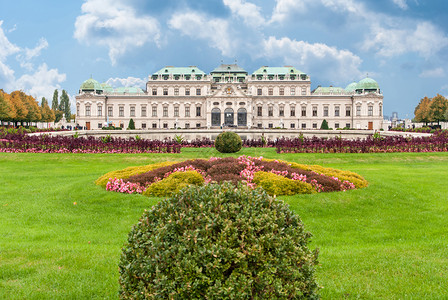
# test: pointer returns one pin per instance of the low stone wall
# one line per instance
(272, 134)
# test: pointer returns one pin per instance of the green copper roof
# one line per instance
(193, 70)
(367, 84)
(277, 71)
(129, 90)
(232, 68)
(329, 90)
(351, 87)
(107, 88)
(90, 85)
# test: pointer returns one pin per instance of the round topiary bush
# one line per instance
(228, 142)
(218, 242)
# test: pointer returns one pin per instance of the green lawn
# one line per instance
(389, 240)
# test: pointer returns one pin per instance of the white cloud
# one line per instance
(336, 65)
(41, 83)
(246, 10)
(198, 26)
(284, 9)
(115, 24)
(27, 54)
(126, 82)
(433, 73)
(425, 39)
(401, 4)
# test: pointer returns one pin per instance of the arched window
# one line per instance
(216, 117)
(242, 117)
(228, 116)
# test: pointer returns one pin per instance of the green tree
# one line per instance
(64, 106)
(46, 112)
(131, 124)
(55, 103)
(324, 125)
(438, 107)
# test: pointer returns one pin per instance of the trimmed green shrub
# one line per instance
(131, 124)
(218, 242)
(324, 125)
(278, 185)
(228, 142)
(173, 183)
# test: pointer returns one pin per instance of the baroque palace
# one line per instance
(270, 97)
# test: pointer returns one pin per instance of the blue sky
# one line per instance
(402, 44)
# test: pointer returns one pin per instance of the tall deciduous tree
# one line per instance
(20, 107)
(64, 106)
(55, 103)
(46, 112)
(7, 110)
(421, 112)
(438, 107)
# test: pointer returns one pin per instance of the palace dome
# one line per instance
(367, 84)
(351, 87)
(91, 85)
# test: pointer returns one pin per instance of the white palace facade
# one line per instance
(270, 97)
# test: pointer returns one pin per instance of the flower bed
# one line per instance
(276, 177)
(438, 142)
(19, 142)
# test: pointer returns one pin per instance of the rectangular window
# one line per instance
(143, 111)
(100, 125)
(154, 125)
(271, 91)
(281, 111)
(154, 92)
(100, 111)
(198, 125)
(303, 125)
(325, 111)
(143, 125)
(293, 91)
(348, 111)
(176, 91)
(314, 111)
(121, 111)
(187, 125)
(87, 110)
(270, 125)
(165, 111)
(336, 125)
(293, 111)
(270, 111)
(358, 110)
(259, 92)
(336, 111)
(176, 111)
(110, 112)
(303, 111)
(282, 92)
(165, 125)
(293, 125)
(370, 110)
(187, 111)
(187, 92)
(314, 125)
(165, 92)
(198, 111)
(132, 111)
(259, 111)
(198, 92)
(303, 91)
(259, 125)
(347, 125)
(154, 111)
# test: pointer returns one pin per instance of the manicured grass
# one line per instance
(386, 241)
